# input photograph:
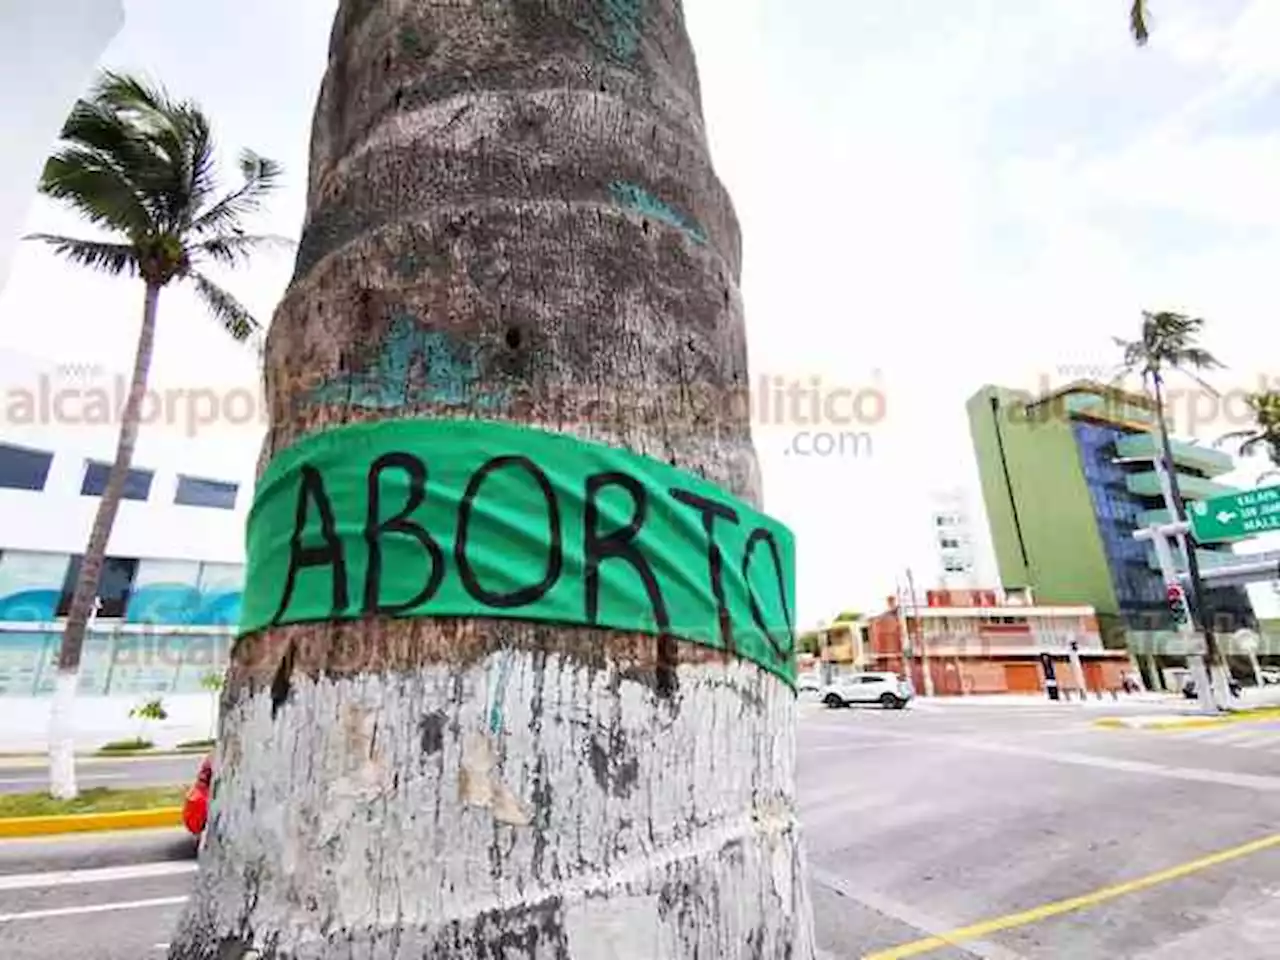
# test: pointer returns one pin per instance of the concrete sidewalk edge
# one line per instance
(16, 827)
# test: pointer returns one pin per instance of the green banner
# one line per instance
(445, 518)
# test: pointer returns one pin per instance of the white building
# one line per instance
(48, 49)
(954, 541)
(175, 558)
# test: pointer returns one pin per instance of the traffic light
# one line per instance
(1177, 603)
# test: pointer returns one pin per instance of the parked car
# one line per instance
(1270, 676)
(195, 808)
(887, 689)
(1189, 688)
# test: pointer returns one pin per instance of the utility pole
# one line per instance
(1180, 609)
(908, 654)
(1217, 690)
(1077, 669)
(919, 639)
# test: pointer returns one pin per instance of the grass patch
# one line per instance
(195, 745)
(126, 746)
(96, 800)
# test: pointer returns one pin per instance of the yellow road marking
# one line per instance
(1255, 715)
(978, 930)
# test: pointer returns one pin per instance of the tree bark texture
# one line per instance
(512, 215)
(61, 716)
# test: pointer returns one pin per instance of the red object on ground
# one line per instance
(195, 809)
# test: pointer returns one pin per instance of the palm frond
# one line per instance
(131, 95)
(261, 177)
(1138, 22)
(234, 249)
(1233, 435)
(177, 136)
(113, 258)
(97, 190)
(1197, 359)
(226, 309)
(108, 141)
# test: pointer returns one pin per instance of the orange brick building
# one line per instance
(983, 642)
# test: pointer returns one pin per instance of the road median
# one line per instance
(38, 814)
(1188, 721)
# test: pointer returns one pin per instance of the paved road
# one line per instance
(24, 776)
(918, 823)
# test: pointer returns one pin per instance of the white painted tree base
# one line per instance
(62, 740)
(580, 816)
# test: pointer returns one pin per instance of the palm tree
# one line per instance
(1138, 22)
(1169, 343)
(512, 218)
(139, 167)
(1265, 434)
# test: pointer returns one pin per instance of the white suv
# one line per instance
(887, 689)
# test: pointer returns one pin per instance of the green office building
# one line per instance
(1067, 478)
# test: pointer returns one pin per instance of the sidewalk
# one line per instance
(99, 720)
(1041, 700)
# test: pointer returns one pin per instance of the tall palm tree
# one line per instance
(139, 167)
(512, 220)
(1138, 22)
(1265, 434)
(1169, 344)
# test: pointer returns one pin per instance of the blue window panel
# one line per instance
(114, 588)
(195, 492)
(1140, 591)
(23, 469)
(137, 483)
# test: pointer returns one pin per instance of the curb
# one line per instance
(1254, 715)
(15, 761)
(13, 827)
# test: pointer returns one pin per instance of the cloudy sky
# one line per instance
(934, 194)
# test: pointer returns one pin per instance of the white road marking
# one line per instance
(66, 878)
(1221, 778)
(41, 781)
(931, 926)
(93, 908)
(1239, 738)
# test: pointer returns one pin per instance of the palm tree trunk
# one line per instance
(1203, 608)
(529, 184)
(62, 774)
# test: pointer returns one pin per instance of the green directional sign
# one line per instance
(1236, 516)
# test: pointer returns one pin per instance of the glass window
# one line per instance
(137, 483)
(1139, 589)
(113, 588)
(23, 469)
(195, 492)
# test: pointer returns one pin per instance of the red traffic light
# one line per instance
(1173, 593)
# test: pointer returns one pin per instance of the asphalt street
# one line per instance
(25, 775)
(1014, 832)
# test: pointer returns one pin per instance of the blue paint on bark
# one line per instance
(451, 372)
(499, 691)
(619, 29)
(641, 201)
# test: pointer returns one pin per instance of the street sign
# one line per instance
(1237, 516)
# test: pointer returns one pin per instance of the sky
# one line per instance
(933, 195)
